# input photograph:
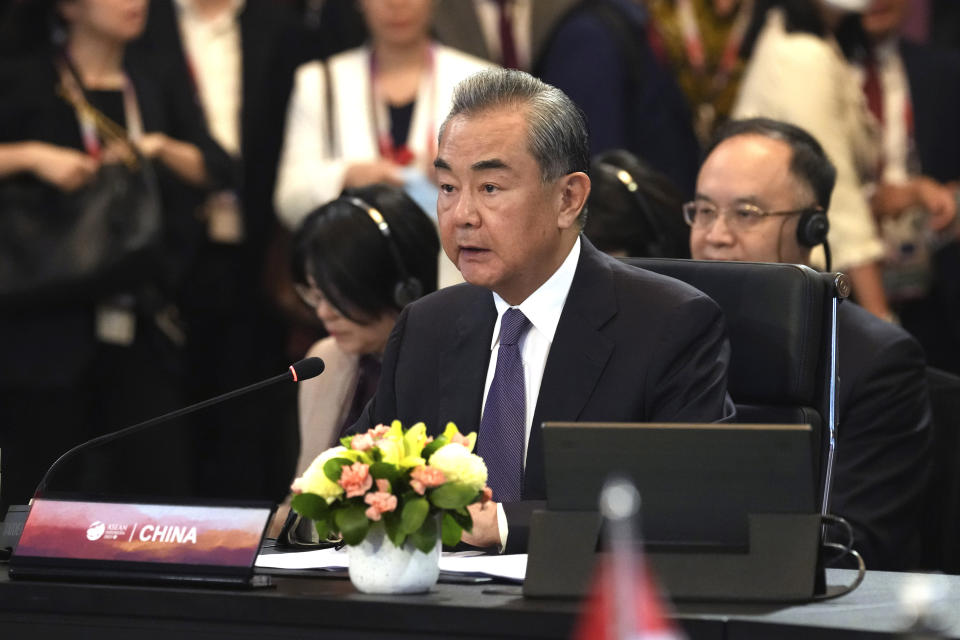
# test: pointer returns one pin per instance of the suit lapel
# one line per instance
(578, 355)
(463, 364)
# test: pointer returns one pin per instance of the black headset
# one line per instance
(408, 288)
(812, 227)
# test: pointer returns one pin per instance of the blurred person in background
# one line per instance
(75, 368)
(700, 42)
(601, 57)
(511, 33)
(370, 115)
(632, 209)
(798, 73)
(913, 92)
(238, 58)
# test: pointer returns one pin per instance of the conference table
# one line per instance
(320, 606)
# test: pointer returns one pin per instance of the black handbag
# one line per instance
(100, 239)
(73, 246)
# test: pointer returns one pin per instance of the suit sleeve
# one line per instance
(883, 443)
(688, 380)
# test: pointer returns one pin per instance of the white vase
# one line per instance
(378, 566)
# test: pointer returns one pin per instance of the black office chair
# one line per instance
(781, 322)
(940, 526)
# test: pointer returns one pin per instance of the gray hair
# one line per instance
(556, 127)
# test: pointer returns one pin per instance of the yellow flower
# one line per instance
(314, 480)
(452, 434)
(459, 465)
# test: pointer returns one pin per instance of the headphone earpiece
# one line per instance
(406, 291)
(812, 227)
(408, 288)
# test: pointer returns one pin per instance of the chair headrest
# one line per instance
(777, 317)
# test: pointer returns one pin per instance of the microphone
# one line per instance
(298, 372)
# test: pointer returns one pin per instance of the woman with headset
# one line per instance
(357, 261)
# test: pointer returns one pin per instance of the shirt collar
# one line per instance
(543, 307)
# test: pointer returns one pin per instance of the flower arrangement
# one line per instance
(398, 477)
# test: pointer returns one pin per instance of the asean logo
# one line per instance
(95, 531)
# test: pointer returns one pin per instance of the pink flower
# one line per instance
(383, 485)
(461, 439)
(379, 431)
(355, 479)
(486, 495)
(380, 502)
(423, 478)
(361, 442)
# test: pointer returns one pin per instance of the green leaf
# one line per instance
(384, 470)
(428, 450)
(345, 441)
(323, 528)
(310, 506)
(452, 495)
(376, 454)
(413, 514)
(425, 537)
(352, 523)
(450, 530)
(463, 519)
(391, 522)
(333, 467)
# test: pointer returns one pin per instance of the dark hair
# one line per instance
(342, 249)
(635, 209)
(803, 16)
(808, 161)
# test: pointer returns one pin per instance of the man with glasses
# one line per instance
(760, 197)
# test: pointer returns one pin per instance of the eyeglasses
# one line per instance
(742, 216)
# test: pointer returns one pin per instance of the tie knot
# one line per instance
(512, 326)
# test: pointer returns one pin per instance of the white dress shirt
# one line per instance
(212, 46)
(542, 308)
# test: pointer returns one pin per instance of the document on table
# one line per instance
(510, 566)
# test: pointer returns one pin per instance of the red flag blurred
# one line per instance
(607, 614)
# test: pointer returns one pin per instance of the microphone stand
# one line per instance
(311, 369)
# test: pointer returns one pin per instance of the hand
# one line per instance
(361, 174)
(152, 145)
(486, 528)
(939, 200)
(67, 169)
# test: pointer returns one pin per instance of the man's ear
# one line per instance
(574, 189)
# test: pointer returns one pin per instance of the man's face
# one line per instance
(755, 170)
(499, 223)
(883, 18)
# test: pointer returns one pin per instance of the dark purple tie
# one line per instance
(503, 426)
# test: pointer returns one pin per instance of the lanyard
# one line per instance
(386, 145)
(93, 124)
(693, 41)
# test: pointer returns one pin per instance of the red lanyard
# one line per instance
(386, 145)
(693, 40)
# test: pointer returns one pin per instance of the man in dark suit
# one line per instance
(760, 186)
(599, 341)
